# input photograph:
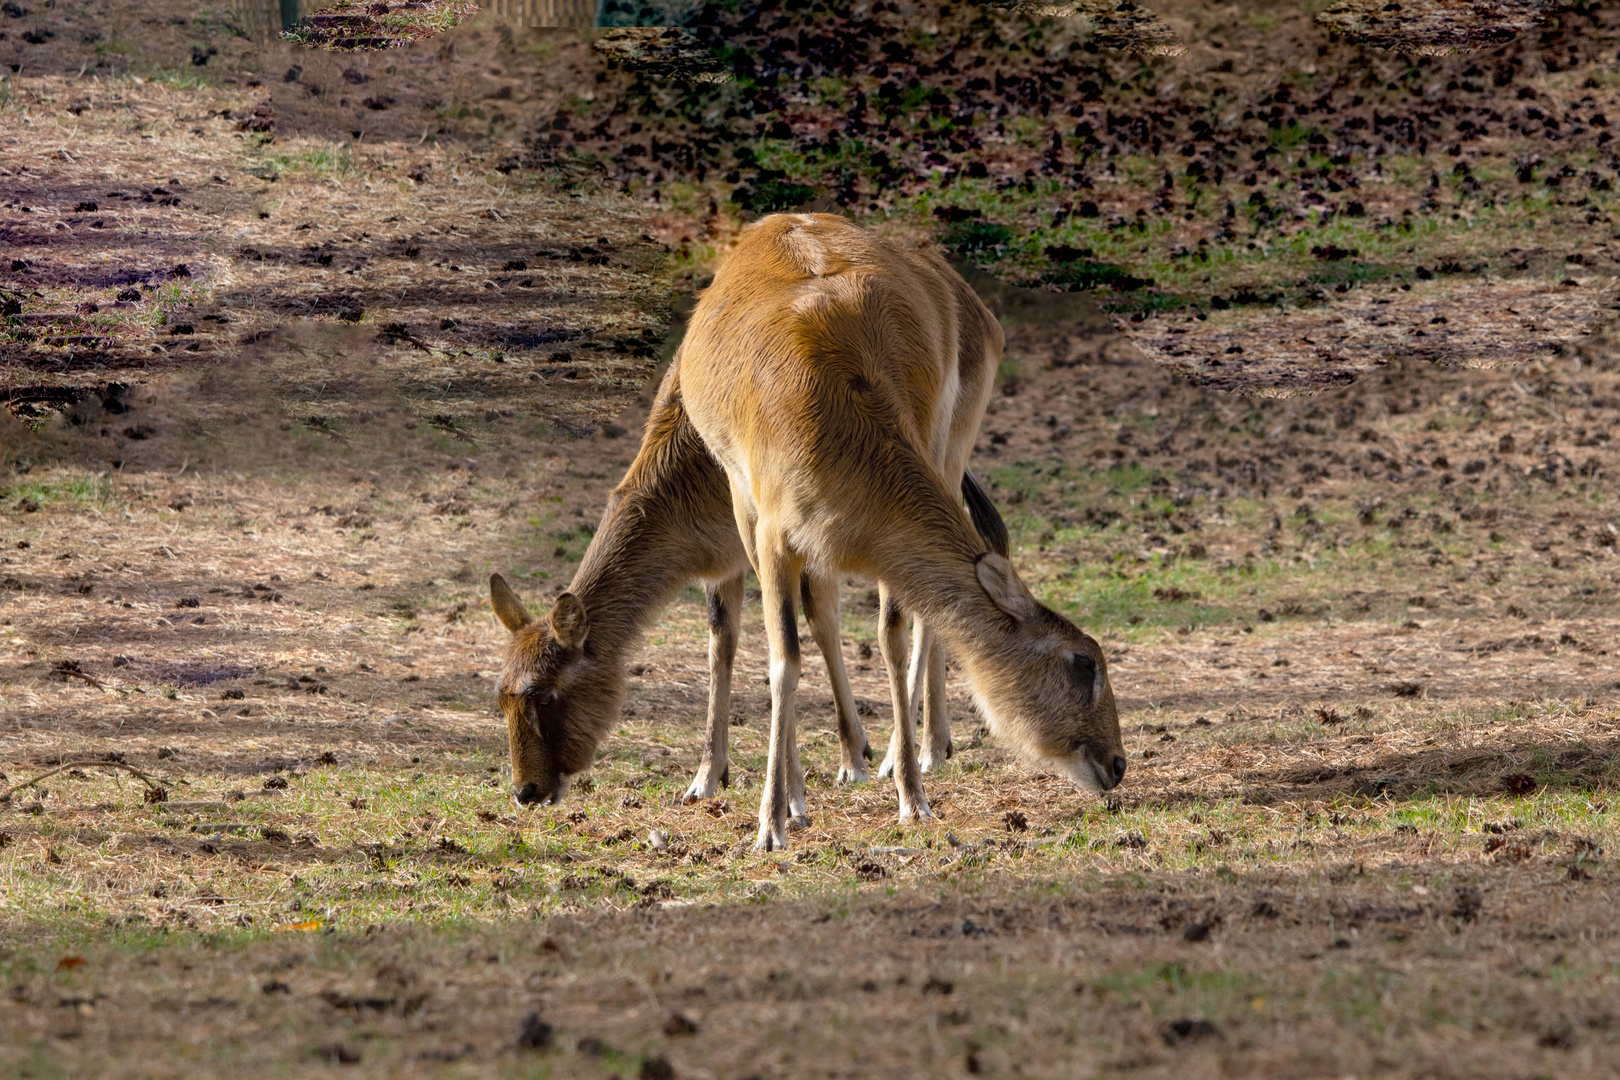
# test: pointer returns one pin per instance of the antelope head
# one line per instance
(559, 698)
(1047, 691)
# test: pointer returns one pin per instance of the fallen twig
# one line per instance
(97, 683)
(5, 796)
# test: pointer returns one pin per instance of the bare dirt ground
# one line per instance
(1363, 644)
(356, 225)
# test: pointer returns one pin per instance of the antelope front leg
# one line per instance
(820, 597)
(903, 744)
(725, 611)
(891, 621)
(936, 724)
(778, 573)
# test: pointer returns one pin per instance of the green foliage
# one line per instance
(978, 236)
(170, 298)
(772, 196)
(334, 159)
(180, 78)
(1086, 274)
(1292, 135)
(83, 489)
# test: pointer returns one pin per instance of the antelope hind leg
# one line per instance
(778, 571)
(903, 744)
(820, 597)
(798, 818)
(725, 609)
(936, 723)
(920, 644)
(891, 642)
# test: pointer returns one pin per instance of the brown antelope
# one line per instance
(668, 521)
(823, 369)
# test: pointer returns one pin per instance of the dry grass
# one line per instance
(1308, 349)
(1368, 825)
(1314, 805)
(357, 235)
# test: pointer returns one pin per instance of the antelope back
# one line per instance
(861, 348)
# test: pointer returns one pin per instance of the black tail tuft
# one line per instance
(985, 518)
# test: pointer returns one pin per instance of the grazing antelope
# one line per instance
(823, 369)
(668, 521)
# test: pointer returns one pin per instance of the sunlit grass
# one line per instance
(64, 486)
(171, 298)
(180, 78)
(335, 160)
(439, 838)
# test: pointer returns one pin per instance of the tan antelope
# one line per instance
(667, 522)
(823, 369)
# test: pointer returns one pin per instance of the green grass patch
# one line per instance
(774, 195)
(978, 236)
(171, 298)
(180, 78)
(79, 489)
(335, 160)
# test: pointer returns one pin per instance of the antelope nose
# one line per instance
(527, 794)
(1119, 770)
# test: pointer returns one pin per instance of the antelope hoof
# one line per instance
(705, 785)
(771, 838)
(852, 774)
(920, 812)
(801, 821)
(886, 769)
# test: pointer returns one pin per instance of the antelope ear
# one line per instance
(569, 624)
(1000, 581)
(508, 608)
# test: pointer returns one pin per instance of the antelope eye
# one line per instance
(546, 697)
